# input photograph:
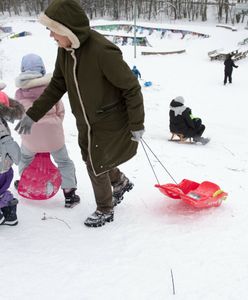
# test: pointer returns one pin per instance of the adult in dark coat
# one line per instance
(105, 99)
(229, 64)
(181, 121)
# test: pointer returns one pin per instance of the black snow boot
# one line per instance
(9, 213)
(124, 185)
(2, 219)
(71, 199)
(99, 218)
(16, 183)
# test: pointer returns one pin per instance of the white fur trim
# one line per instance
(60, 29)
(27, 84)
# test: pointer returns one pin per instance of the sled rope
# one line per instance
(149, 161)
(142, 143)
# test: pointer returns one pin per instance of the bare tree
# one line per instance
(124, 9)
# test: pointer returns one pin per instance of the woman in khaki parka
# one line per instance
(105, 98)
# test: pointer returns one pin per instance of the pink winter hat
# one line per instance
(4, 99)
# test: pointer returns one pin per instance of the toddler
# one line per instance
(10, 110)
(47, 134)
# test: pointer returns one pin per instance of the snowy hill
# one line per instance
(132, 258)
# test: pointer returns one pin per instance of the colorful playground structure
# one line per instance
(123, 34)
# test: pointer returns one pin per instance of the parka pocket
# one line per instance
(111, 120)
(109, 108)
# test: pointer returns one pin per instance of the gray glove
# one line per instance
(137, 135)
(24, 126)
(11, 148)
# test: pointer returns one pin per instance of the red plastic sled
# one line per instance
(202, 195)
(41, 180)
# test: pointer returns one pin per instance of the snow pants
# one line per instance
(228, 75)
(6, 196)
(198, 130)
(62, 159)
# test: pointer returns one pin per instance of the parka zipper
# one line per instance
(83, 109)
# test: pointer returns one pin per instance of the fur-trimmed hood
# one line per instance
(66, 17)
(27, 80)
(14, 112)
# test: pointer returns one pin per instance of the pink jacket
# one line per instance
(47, 135)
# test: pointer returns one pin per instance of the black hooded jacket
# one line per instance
(180, 120)
(229, 64)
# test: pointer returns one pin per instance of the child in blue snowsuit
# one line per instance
(136, 72)
(10, 110)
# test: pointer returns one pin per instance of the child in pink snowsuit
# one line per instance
(47, 135)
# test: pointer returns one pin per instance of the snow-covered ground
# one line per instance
(151, 236)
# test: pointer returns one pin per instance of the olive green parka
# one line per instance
(104, 95)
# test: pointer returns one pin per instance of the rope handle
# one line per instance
(143, 143)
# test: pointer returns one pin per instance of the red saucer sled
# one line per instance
(206, 194)
(41, 180)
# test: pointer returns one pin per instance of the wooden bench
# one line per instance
(162, 52)
(180, 138)
(238, 56)
(245, 41)
(215, 54)
(227, 27)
